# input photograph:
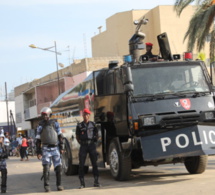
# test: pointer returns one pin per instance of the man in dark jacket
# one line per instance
(149, 55)
(3, 165)
(86, 135)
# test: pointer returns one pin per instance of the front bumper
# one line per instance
(184, 142)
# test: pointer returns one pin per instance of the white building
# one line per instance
(7, 119)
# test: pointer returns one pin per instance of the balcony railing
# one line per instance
(32, 102)
(30, 113)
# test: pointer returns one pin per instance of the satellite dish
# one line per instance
(61, 65)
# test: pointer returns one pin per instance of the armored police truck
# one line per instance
(147, 113)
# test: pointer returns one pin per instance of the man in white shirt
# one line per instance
(19, 139)
(7, 144)
(2, 131)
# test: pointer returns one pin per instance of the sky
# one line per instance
(69, 23)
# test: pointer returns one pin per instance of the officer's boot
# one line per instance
(58, 171)
(96, 182)
(3, 180)
(46, 169)
(82, 183)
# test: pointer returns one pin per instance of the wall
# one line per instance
(78, 67)
(19, 116)
(3, 113)
(114, 40)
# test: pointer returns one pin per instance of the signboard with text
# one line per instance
(189, 141)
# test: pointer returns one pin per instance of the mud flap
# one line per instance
(184, 142)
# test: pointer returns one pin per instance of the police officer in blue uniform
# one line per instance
(87, 135)
(50, 137)
(3, 165)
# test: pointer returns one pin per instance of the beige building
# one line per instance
(120, 28)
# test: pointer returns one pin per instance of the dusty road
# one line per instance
(24, 178)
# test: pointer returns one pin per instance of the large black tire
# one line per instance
(68, 167)
(196, 164)
(120, 166)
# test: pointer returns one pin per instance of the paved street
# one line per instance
(24, 178)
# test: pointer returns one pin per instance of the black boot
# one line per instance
(82, 183)
(58, 171)
(96, 182)
(3, 180)
(46, 169)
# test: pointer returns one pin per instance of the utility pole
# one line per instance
(13, 124)
(6, 100)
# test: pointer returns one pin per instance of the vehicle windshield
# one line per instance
(168, 80)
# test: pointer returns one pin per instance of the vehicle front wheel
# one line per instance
(196, 164)
(68, 167)
(120, 166)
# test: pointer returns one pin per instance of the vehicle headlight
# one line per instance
(209, 115)
(149, 120)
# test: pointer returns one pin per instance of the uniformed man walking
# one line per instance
(3, 164)
(86, 135)
(50, 136)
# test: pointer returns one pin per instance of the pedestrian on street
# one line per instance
(19, 140)
(23, 149)
(27, 159)
(7, 144)
(2, 131)
(31, 146)
(3, 165)
(87, 135)
(50, 136)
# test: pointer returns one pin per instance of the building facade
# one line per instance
(7, 116)
(31, 97)
(120, 28)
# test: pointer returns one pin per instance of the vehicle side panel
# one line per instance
(111, 111)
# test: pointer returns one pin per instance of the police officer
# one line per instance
(86, 135)
(149, 53)
(3, 165)
(149, 50)
(50, 137)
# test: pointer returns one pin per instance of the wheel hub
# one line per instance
(64, 161)
(114, 160)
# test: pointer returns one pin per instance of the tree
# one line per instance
(201, 24)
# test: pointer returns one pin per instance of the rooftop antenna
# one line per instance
(69, 57)
(100, 29)
(73, 56)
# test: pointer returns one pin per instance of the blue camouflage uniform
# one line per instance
(50, 137)
(3, 164)
(50, 153)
